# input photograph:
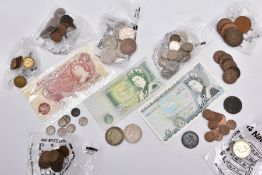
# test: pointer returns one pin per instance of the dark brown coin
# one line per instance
(233, 105)
(53, 155)
(224, 58)
(209, 115)
(64, 150)
(228, 64)
(212, 125)
(68, 21)
(209, 136)
(233, 37)
(61, 30)
(175, 37)
(16, 63)
(231, 124)
(243, 23)
(56, 37)
(226, 27)
(223, 129)
(43, 161)
(128, 46)
(20, 81)
(75, 112)
(230, 76)
(217, 55)
(221, 23)
(57, 165)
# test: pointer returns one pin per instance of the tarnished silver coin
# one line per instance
(172, 55)
(61, 132)
(127, 32)
(166, 73)
(162, 62)
(173, 66)
(133, 133)
(190, 139)
(114, 136)
(50, 130)
(59, 12)
(185, 59)
(71, 128)
(83, 121)
(108, 55)
(67, 118)
(109, 41)
(179, 122)
(242, 149)
(62, 122)
(174, 45)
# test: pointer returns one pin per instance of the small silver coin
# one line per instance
(62, 122)
(172, 55)
(190, 139)
(109, 41)
(59, 12)
(83, 121)
(242, 149)
(185, 59)
(50, 130)
(108, 55)
(162, 62)
(61, 132)
(173, 66)
(71, 128)
(67, 118)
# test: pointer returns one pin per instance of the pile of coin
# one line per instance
(232, 31)
(53, 159)
(228, 65)
(58, 25)
(120, 43)
(178, 50)
(65, 126)
(25, 63)
(115, 135)
(218, 125)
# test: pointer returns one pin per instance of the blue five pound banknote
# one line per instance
(177, 105)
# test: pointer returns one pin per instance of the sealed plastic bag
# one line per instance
(179, 46)
(50, 155)
(240, 155)
(119, 29)
(23, 64)
(239, 26)
(61, 31)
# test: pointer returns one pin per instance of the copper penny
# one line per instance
(228, 64)
(223, 120)
(223, 129)
(61, 30)
(212, 125)
(217, 55)
(231, 124)
(67, 21)
(64, 150)
(216, 133)
(221, 23)
(233, 37)
(209, 136)
(128, 46)
(243, 23)
(43, 161)
(230, 76)
(224, 58)
(209, 115)
(226, 27)
(53, 155)
(220, 137)
(56, 37)
(20, 81)
(57, 165)
(218, 117)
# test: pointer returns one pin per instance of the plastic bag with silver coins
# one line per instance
(231, 158)
(80, 161)
(180, 46)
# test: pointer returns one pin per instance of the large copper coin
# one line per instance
(217, 55)
(233, 37)
(230, 76)
(221, 23)
(128, 46)
(243, 23)
(56, 37)
(53, 155)
(20, 81)
(57, 165)
(224, 58)
(114, 136)
(43, 161)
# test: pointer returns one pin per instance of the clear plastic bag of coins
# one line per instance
(51, 155)
(239, 25)
(240, 153)
(24, 60)
(118, 32)
(62, 31)
(179, 47)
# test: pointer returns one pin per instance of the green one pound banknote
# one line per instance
(124, 94)
(177, 105)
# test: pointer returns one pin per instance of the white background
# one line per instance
(149, 156)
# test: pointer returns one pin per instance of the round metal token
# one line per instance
(179, 122)
(190, 139)
(133, 133)
(114, 136)
(83, 121)
(28, 62)
(62, 122)
(44, 161)
(50, 130)
(241, 149)
(20, 81)
(232, 105)
(61, 132)
(71, 128)
(75, 112)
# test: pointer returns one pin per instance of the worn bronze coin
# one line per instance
(128, 46)
(243, 23)
(67, 21)
(20, 81)
(230, 76)
(57, 165)
(209, 136)
(53, 155)
(219, 137)
(221, 23)
(217, 55)
(226, 27)
(233, 37)
(233, 105)
(43, 161)
(61, 30)
(231, 124)
(56, 37)
(223, 129)
(16, 62)
(218, 117)
(64, 150)
(228, 64)
(224, 58)
(114, 136)
(209, 115)
(212, 125)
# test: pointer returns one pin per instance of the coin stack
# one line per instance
(26, 63)
(218, 125)
(120, 43)
(232, 32)
(53, 159)
(228, 65)
(178, 50)
(58, 25)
